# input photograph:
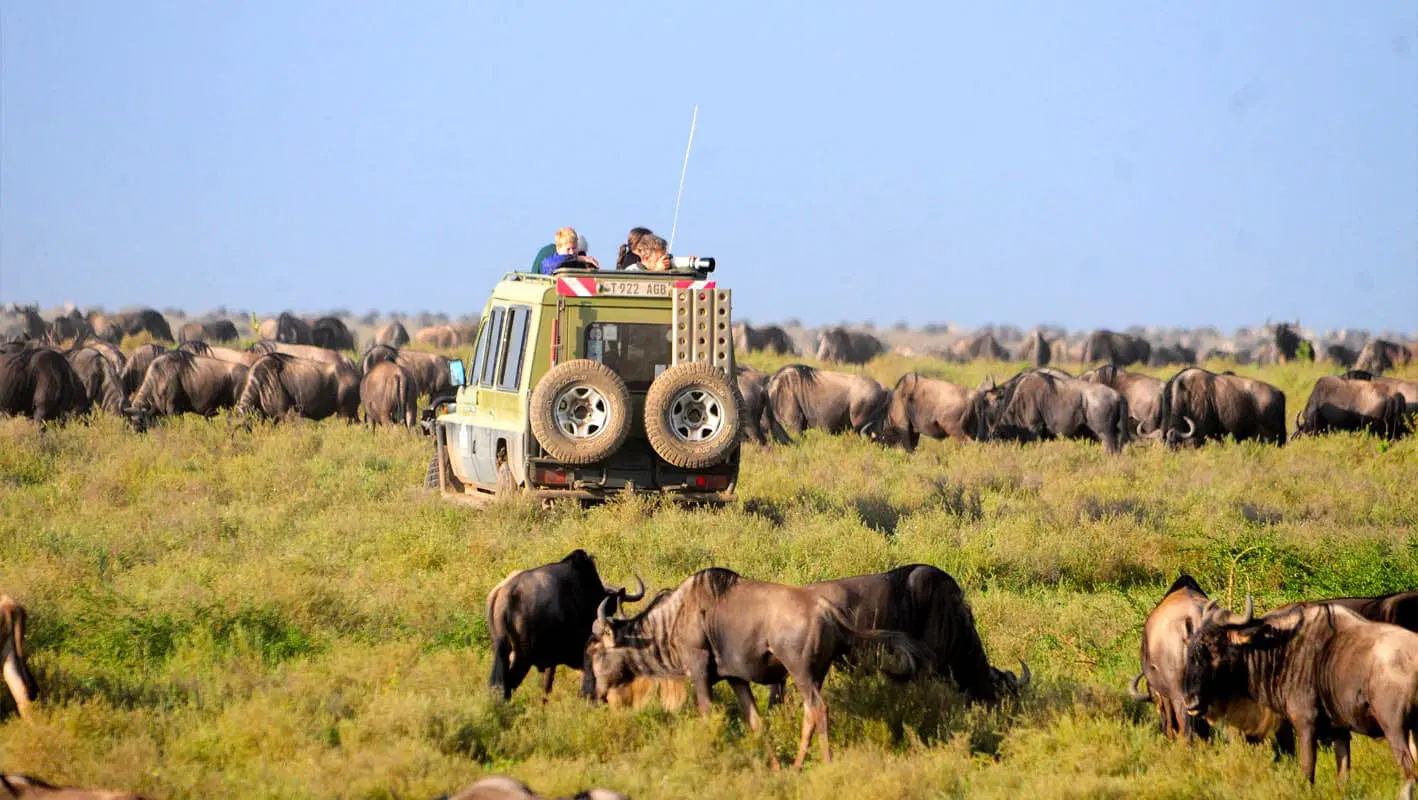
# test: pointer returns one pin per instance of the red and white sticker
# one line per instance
(695, 285)
(576, 287)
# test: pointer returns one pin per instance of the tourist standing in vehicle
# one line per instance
(627, 255)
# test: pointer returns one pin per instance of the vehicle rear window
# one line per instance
(637, 352)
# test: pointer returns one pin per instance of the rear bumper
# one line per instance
(600, 494)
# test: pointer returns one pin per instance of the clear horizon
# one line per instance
(1102, 165)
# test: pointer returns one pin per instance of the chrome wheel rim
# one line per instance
(696, 415)
(582, 412)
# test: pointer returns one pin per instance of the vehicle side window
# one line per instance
(511, 373)
(479, 353)
(488, 353)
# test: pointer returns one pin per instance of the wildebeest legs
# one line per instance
(548, 675)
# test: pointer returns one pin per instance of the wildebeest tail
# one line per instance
(1124, 415)
(497, 630)
(1395, 416)
(769, 422)
(23, 686)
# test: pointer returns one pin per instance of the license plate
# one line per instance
(623, 288)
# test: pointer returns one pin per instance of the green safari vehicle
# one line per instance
(588, 383)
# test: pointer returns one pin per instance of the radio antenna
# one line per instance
(674, 226)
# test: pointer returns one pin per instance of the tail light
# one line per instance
(551, 476)
(709, 482)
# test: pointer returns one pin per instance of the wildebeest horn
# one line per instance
(601, 612)
(1191, 427)
(1250, 610)
(1210, 604)
(1025, 676)
(631, 598)
(1137, 693)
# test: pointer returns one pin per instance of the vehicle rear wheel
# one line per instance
(692, 416)
(580, 412)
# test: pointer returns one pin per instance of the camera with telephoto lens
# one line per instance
(696, 263)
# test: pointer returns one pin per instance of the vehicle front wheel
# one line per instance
(692, 415)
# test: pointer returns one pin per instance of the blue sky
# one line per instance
(1089, 164)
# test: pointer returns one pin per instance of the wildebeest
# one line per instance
(306, 351)
(1288, 344)
(1341, 404)
(719, 626)
(429, 369)
(137, 367)
(1164, 659)
(1045, 404)
(286, 328)
(1037, 350)
(981, 346)
(503, 788)
(1379, 356)
(244, 357)
(393, 334)
(1119, 349)
(39, 383)
(1409, 389)
(1171, 354)
(100, 380)
(67, 326)
(1324, 668)
(144, 320)
(541, 618)
(331, 333)
(926, 604)
(1143, 393)
(758, 421)
(1398, 608)
(389, 395)
(23, 688)
(1339, 354)
(215, 330)
(21, 323)
(921, 406)
(440, 336)
(185, 383)
(28, 787)
(768, 338)
(841, 346)
(279, 384)
(1200, 406)
(805, 397)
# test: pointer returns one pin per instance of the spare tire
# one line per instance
(580, 412)
(692, 416)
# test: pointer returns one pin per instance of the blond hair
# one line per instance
(566, 241)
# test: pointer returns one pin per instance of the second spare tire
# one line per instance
(692, 416)
(580, 412)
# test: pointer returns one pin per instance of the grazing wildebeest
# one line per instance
(390, 395)
(331, 333)
(393, 334)
(1164, 661)
(769, 338)
(1143, 393)
(144, 320)
(244, 357)
(137, 367)
(1200, 406)
(1037, 350)
(286, 329)
(100, 380)
(1167, 355)
(440, 336)
(758, 421)
(39, 383)
(1379, 356)
(1118, 349)
(1324, 668)
(215, 330)
(104, 328)
(279, 384)
(926, 604)
(185, 383)
(541, 619)
(28, 787)
(429, 369)
(719, 626)
(921, 406)
(503, 788)
(21, 323)
(1340, 404)
(980, 347)
(67, 326)
(1339, 354)
(805, 397)
(841, 346)
(306, 351)
(1046, 404)
(23, 688)
(1409, 389)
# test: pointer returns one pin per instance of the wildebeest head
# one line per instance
(140, 418)
(1007, 684)
(1215, 664)
(608, 662)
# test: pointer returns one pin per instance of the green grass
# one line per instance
(283, 613)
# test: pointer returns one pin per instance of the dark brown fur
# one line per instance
(279, 384)
(389, 395)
